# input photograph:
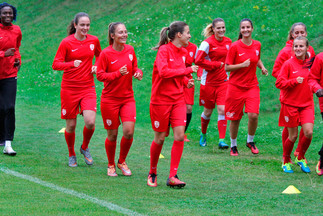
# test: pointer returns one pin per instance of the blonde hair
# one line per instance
(208, 31)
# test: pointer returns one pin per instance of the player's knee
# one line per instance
(308, 134)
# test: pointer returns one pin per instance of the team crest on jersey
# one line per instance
(109, 122)
(202, 102)
(92, 47)
(156, 123)
(227, 46)
(286, 119)
(191, 54)
(230, 115)
(184, 59)
(130, 57)
(64, 112)
(257, 52)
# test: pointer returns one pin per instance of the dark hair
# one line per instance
(208, 31)
(71, 28)
(290, 36)
(173, 29)
(245, 19)
(14, 10)
(111, 29)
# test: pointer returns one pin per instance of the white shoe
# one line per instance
(9, 151)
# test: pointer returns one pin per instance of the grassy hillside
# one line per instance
(217, 183)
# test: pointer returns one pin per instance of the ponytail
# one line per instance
(245, 19)
(71, 28)
(208, 31)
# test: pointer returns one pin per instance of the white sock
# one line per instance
(204, 116)
(7, 143)
(233, 142)
(221, 117)
(250, 138)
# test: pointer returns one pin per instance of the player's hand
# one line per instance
(16, 63)
(9, 52)
(77, 63)
(123, 70)
(319, 93)
(94, 68)
(190, 83)
(246, 63)
(300, 79)
(195, 68)
(138, 76)
(264, 71)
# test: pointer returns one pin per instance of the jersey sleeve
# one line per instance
(230, 59)
(59, 60)
(315, 75)
(200, 58)
(281, 58)
(102, 65)
(135, 68)
(98, 50)
(18, 43)
(283, 82)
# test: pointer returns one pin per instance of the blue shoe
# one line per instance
(203, 140)
(302, 163)
(223, 145)
(287, 168)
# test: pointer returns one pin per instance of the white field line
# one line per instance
(111, 206)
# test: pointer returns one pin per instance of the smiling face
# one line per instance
(120, 34)
(246, 29)
(185, 37)
(299, 30)
(6, 16)
(219, 30)
(83, 26)
(300, 48)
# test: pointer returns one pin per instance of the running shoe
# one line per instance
(9, 151)
(112, 171)
(252, 147)
(124, 168)
(223, 145)
(87, 156)
(287, 167)
(203, 140)
(319, 168)
(185, 138)
(174, 182)
(152, 180)
(302, 163)
(234, 151)
(72, 161)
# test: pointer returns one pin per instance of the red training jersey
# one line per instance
(10, 37)
(72, 49)
(285, 54)
(190, 58)
(116, 85)
(168, 75)
(210, 56)
(238, 53)
(294, 93)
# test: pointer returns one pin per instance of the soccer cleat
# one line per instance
(252, 147)
(287, 168)
(9, 151)
(223, 145)
(296, 155)
(174, 182)
(152, 180)
(112, 171)
(203, 140)
(72, 161)
(234, 151)
(124, 168)
(319, 168)
(185, 138)
(302, 163)
(87, 156)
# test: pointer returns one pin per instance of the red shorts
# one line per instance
(189, 95)
(162, 115)
(237, 98)
(291, 116)
(112, 110)
(210, 95)
(75, 101)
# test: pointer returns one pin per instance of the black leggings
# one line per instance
(8, 91)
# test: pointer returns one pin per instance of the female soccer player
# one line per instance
(116, 67)
(74, 56)
(243, 88)
(316, 83)
(297, 29)
(167, 103)
(296, 104)
(211, 56)
(10, 61)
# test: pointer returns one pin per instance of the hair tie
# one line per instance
(168, 28)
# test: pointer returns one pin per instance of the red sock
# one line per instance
(301, 135)
(176, 155)
(155, 150)
(284, 135)
(110, 148)
(287, 150)
(125, 145)
(87, 134)
(304, 143)
(70, 141)
(222, 127)
(204, 124)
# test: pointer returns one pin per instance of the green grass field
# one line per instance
(217, 184)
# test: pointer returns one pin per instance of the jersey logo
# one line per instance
(130, 57)
(241, 54)
(73, 50)
(1, 37)
(257, 52)
(295, 71)
(202, 102)
(109, 122)
(171, 59)
(191, 54)
(156, 123)
(184, 59)
(64, 112)
(230, 115)
(114, 61)
(214, 48)
(92, 47)
(286, 119)
(227, 46)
